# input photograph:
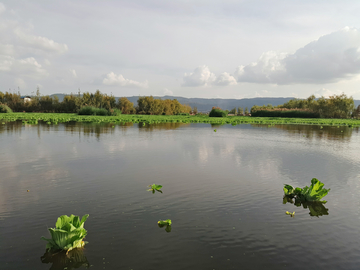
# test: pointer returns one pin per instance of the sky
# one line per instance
(190, 48)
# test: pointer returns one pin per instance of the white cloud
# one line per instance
(225, 79)
(119, 80)
(327, 92)
(200, 77)
(2, 8)
(329, 59)
(41, 43)
(6, 62)
(73, 73)
(29, 67)
(167, 92)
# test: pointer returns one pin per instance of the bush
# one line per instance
(5, 109)
(285, 113)
(115, 112)
(184, 114)
(88, 110)
(217, 113)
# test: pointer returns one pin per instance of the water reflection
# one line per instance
(161, 126)
(316, 209)
(342, 133)
(60, 260)
(167, 227)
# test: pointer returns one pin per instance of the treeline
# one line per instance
(73, 103)
(336, 106)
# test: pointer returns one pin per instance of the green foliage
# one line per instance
(217, 112)
(5, 109)
(68, 233)
(336, 106)
(149, 119)
(165, 223)
(88, 110)
(154, 188)
(307, 194)
(255, 112)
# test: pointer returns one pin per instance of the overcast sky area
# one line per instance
(190, 48)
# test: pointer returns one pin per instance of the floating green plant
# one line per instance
(165, 223)
(154, 187)
(290, 214)
(307, 194)
(68, 233)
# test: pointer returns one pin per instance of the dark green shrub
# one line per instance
(5, 109)
(185, 114)
(285, 113)
(88, 110)
(217, 113)
(115, 112)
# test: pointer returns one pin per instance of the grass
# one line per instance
(54, 118)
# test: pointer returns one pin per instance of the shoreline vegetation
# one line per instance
(55, 118)
(337, 110)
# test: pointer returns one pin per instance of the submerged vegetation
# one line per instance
(68, 233)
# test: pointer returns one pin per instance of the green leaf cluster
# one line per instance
(154, 187)
(314, 193)
(167, 223)
(68, 233)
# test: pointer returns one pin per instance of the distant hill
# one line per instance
(205, 104)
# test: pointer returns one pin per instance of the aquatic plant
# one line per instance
(290, 214)
(146, 119)
(154, 187)
(165, 223)
(307, 194)
(68, 233)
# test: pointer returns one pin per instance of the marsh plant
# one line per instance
(68, 233)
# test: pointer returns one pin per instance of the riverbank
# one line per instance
(53, 118)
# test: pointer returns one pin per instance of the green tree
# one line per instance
(125, 106)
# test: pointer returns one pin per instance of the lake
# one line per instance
(222, 190)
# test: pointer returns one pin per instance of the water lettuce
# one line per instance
(68, 233)
(307, 194)
(154, 187)
(167, 223)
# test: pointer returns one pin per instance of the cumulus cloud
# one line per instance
(225, 79)
(41, 43)
(119, 80)
(329, 59)
(202, 76)
(29, 66)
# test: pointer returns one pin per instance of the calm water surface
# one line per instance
(222, 191)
